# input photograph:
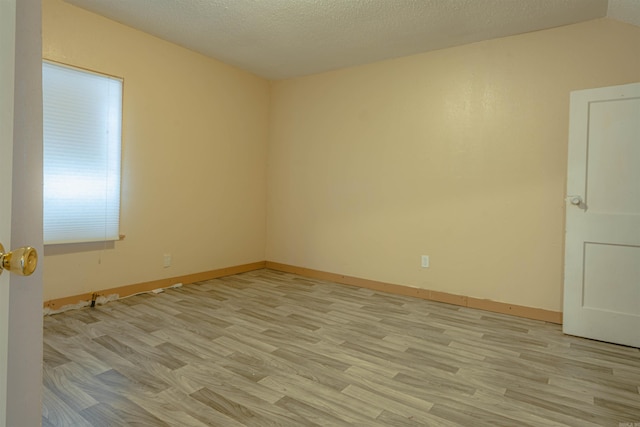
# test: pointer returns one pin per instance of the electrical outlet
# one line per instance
(167, 260)
(425, 261)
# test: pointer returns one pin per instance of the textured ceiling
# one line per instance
(625, 10)
(279, 39)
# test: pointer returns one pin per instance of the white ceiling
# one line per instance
(279, 39)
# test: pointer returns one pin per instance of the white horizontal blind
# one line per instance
(82, 117)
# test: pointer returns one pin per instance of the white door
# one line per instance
(602, 248)
(20, 210)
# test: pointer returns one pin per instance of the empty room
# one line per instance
(332, 212)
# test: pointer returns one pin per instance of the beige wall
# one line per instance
(459, 154)
(194, 149)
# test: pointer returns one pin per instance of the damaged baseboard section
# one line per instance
(70, 302)
(99, 300)
(102, 300)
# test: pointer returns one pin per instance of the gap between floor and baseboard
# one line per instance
(426, 294)
(58, 304)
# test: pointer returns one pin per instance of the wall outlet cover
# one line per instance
(425, 261)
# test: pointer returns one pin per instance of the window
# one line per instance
(82, 118)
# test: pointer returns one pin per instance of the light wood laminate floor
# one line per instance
(267, 348)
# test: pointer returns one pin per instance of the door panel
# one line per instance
(602, 250)
(608, 269)
(612, 156)
(7, 58)
(20, 210)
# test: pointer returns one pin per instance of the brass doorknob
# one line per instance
(22, 261)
